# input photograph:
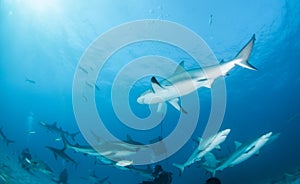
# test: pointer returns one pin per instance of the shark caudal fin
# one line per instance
(73, 135)
(209, 169)
(66, 143)
(242, 57)
(180, 167)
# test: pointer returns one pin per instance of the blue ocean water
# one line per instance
(42, 43)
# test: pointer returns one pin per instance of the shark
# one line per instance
(147, 172)
(204, 147)
(92, 178)
(183, 82)
(5, 139)
(54, 129)
(104, 150)
(39, 166)
(129, 143)
(63, 177)
(61, 153)
(241, 154)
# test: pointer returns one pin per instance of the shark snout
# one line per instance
(140, 100)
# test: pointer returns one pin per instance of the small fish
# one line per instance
(89, 84)
(3, 178)
(30, 81)
(83, 69)
(210, 20)
(85, 98)
(124, 163)
(58, 139)
(32, 132)
(97, 87)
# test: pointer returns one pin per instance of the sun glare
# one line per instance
(42, 6)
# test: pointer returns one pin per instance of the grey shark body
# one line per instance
(204, 147)
(92, 178)
(56, 130)
(242, 153)
(63, 177)
(61, 153)
(184, 82)
(103, 150)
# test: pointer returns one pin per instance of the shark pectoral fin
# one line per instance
(180, 68)
(257, 153)
(237, 144)
(155, 85)
(218, 147)
(175, 104)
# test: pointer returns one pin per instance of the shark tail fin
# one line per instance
(180, 167)
(209, 169)
(103, 180)
(242, 57)
(73, 135)
(67, 144)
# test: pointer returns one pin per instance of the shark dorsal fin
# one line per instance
(180, 68)
(155, 85)
(237, 144)
(129, 138)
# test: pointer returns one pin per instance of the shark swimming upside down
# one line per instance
(184, 82)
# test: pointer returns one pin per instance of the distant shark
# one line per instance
(242, 153)
(63, 177)
(54, 129)
(5, 139)
(205, 146)
(184, 82)
(113, 150)
(61, 153)
(147, 172)
(95, 180)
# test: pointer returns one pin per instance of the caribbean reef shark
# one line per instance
(204, 147)
(61, 153)
(242, 153)
(111, 150)
(54, 129)
(184, 82)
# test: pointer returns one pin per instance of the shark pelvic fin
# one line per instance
(155, 85)
(161, 107)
